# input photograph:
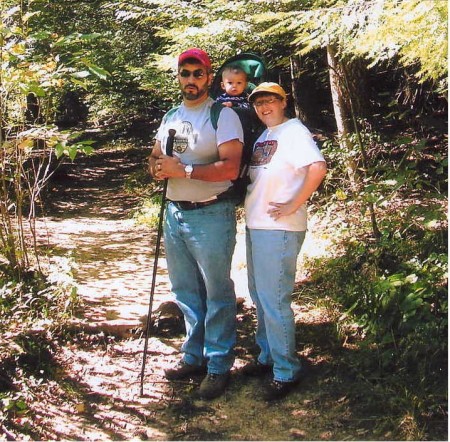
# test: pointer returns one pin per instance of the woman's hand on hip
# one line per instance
(277, 210)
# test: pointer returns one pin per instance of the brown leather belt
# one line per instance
(189, 205)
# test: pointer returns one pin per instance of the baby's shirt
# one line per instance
(237, 101)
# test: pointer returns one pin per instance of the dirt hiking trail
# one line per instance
(98, 395)
(91, 222)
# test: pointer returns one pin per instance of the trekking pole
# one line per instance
(169, 150)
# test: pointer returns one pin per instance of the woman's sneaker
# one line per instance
(277, 389)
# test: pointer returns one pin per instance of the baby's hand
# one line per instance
(227, 104)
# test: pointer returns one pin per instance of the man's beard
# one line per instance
(191, 95)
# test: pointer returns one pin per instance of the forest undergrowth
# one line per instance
(369, 78)
(371, 324)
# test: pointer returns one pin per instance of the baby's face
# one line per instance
(234, 83)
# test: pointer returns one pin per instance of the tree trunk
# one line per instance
(343, 90)
(32, 113)
(342, 112)
(356, 84)
(294, 68)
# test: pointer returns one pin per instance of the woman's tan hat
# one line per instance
(268, 88)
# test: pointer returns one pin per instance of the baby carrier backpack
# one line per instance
(256, 71)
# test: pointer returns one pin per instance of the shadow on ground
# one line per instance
(95, 392)
(103, 375)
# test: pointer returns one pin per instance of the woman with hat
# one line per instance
(285, 169)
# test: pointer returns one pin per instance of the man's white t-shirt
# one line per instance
(196, 142)
(277, 172)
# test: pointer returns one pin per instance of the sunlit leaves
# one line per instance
(72, 150)
(75, 38)
(81, 74)
(98, 71)
(414, 30)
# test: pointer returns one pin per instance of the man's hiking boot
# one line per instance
(255, 368)
(277, 389)
(213, 385)
(183, 370)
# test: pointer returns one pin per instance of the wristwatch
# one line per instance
(188, 169)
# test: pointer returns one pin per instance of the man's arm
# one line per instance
(226, 168)
(156, 152)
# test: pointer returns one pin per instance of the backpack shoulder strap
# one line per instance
(169, 113)
(216, 108)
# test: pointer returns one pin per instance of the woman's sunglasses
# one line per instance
(260, 103)
(198, 73)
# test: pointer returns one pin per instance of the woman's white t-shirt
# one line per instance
(277, 172)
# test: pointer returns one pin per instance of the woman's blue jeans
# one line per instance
(271, 265)
(199, 248)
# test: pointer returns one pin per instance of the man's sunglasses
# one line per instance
(198, 73)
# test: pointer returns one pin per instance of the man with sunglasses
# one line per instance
(200, 223)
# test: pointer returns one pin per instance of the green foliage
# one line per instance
(33, 313)
(221, 28)
(395, 301)
(62, 148)
(149, 211)
(32, 76)
(38, 298)
(396, 298)
(14, 409)
(393, 290)
(392, 166)
(138, 182)
(412, 30)
(26, 163)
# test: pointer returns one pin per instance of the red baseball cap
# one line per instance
(197, 54)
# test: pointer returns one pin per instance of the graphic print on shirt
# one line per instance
(184, 137)
(263, 153)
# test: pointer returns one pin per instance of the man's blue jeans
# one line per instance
(271, 266)
(199, 248)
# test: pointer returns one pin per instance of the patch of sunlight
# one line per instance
(317, 242)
